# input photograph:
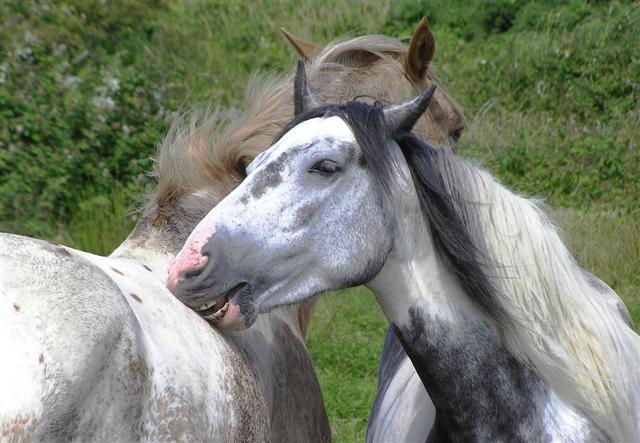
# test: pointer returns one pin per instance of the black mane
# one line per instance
(441, 208)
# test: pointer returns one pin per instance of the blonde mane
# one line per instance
(562, 322)
(210, 149)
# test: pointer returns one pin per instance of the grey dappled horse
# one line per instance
(510, 337)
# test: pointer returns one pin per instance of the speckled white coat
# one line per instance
(96, 348)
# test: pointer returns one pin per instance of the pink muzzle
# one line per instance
(190, 257)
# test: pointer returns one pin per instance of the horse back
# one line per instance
(96, 348)
(83, 362)
(72, 344)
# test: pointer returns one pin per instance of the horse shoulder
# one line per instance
(200, 383)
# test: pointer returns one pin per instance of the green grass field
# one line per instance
(551, 89)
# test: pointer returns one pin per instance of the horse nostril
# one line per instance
(185, 268)
(193, 273)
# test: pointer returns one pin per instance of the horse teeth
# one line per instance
(218, 314)
(205, 306)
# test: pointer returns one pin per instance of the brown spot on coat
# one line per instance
(117, 271)
(135, 297)
(16, 307)
(41, 359)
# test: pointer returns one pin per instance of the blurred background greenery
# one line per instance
(551, 89)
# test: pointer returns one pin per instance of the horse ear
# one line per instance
(303, 97)
(304, 48)
(401, 118)
(421, 51)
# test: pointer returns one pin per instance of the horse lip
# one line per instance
(240, 288)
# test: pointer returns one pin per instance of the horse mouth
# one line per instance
(215, 310)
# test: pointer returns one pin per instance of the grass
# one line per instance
(552, 91)
(607, 243)
(345, 341)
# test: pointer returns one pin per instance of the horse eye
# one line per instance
(240, 168)
(456, 134)
(325, 167)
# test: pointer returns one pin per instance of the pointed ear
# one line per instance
(401, 118)
(421, 51)
(303, 97)
(304, 48)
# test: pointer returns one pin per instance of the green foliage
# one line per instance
(570, 73)
(204, 66)
(79, 113)
(88, 88)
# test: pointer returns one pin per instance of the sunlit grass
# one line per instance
(607, 244)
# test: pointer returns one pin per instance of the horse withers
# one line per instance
(509, 336)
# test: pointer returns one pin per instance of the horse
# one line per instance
(96, 347)
(510, 338)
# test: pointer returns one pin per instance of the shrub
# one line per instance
(80, 112)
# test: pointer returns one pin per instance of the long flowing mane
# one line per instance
(551, 315)
(512, 262)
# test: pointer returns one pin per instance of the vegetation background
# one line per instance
(552, 91)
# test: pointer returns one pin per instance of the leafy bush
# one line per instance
(80, 112)
(87, 89)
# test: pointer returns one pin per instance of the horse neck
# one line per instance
(480, 390)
